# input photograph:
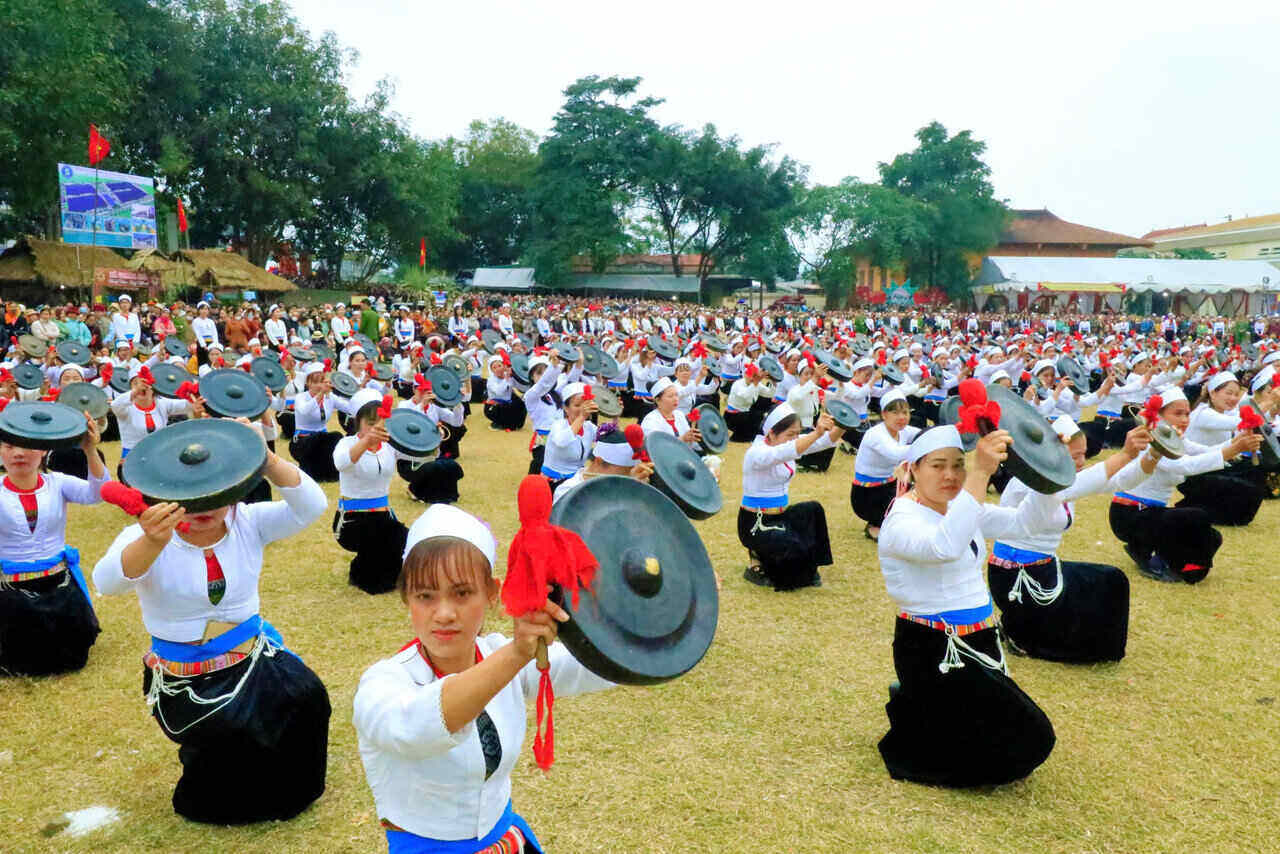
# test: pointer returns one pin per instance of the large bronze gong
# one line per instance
(714, 430)
(665, 349)
(1037, 456)
(41, 425)
(202, 464)
(682, 476)
(168, 377)
(85, 398)
(411, 432)
(650, 614)
(233, 394)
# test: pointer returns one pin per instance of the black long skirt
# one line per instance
(816, 461)
(314, 454)
(506, 416)
(743, 426)
(870, 503)
(1088, 622)
(1184, 537)
(112, 433)
(70, 461)
(536, 456)
(261, 757)
(479, 391)
(46, 626)
(970, 726)
(433, 481)
(1228, 498)
(790, 545)
(451, 449)
(1095, 434)
(286, 421)
(377, 538)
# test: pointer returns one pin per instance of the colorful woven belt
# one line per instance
(11, 577)
(193, 668)
(512, 842)
(871, 483)
(1004, 563)
(939, 625)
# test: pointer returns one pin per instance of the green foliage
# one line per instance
(497, 163)
(947, 176)
(1196, 254)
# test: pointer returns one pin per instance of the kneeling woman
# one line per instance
(252, 719)
(1174, 543)
(1057, 609)
(1233, 495)
(956, 718)
(364, 522)
(572, 436)
(790, 541)
(47, 622)
(441, 723)
(883, 447)
(313, 443)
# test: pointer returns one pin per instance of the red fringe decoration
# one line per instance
(543, 554)
(384, 408)
(977, 413)
(635, 438)
(130, 500)
(1151, 412)
(144, 374)
(1249, 418)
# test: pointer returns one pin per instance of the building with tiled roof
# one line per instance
(1249, 239)
(1041, 232)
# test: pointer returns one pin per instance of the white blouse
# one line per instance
(174, 591)
(1208, 426)
(18, 543)
(428, 780)
(1055, 513)
(369, 476)
(312, 414)
(743, 395)
(1169, 473)
(767, 469)
(498, 388)
(133, 421)
(655, 423)
(567, 451)
(879, 453)
(933, 563)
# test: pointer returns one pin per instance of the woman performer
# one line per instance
(313, 443)
(805, 400)
(504, 410)
(1174, 543)
(432, 479)
(543, 403)
(883, 447)
(688, 391)
(251, 719)
(955, 718)
(364, 522)
(68, 460)
(740, 414)
(1230, 497)
(857, 393)
(611, 454)
(571, 438)
(666, 417)
(787, 542)
(1056, 609)
(140, 412)
(47, 622)
(452, 697)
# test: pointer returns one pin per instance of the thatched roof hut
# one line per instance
(217, 270)
(155, 262)
(32, 263)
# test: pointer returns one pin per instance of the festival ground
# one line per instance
(768, 745)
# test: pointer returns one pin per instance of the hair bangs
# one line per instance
(439, 562)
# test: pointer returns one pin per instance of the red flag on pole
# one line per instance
(422, 253)
(182, 217)
(99, 146)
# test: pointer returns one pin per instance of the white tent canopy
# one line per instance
(1022, 273)
(504, 278)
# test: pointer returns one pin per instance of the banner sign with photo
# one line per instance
(123, 207)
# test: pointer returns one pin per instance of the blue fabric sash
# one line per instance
(1145, 502)
(189, 653)
(961, 616)
(68, 555)
(764, 502)
(613, 384)
(124, 452)
(1108, 414)
(364, 503)
(864, 479)
(403, 842)
(1013, 555)
(554, 475)
(308, 432)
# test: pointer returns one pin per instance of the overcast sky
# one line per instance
(1121, 115)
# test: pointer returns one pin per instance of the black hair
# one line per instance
(784, 424)
(368, 413)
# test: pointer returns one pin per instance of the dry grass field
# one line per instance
(769, 745)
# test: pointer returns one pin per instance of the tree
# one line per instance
(586, 175)
(497, 164)
(947, 175)
(1196, 254)
(707, 195)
